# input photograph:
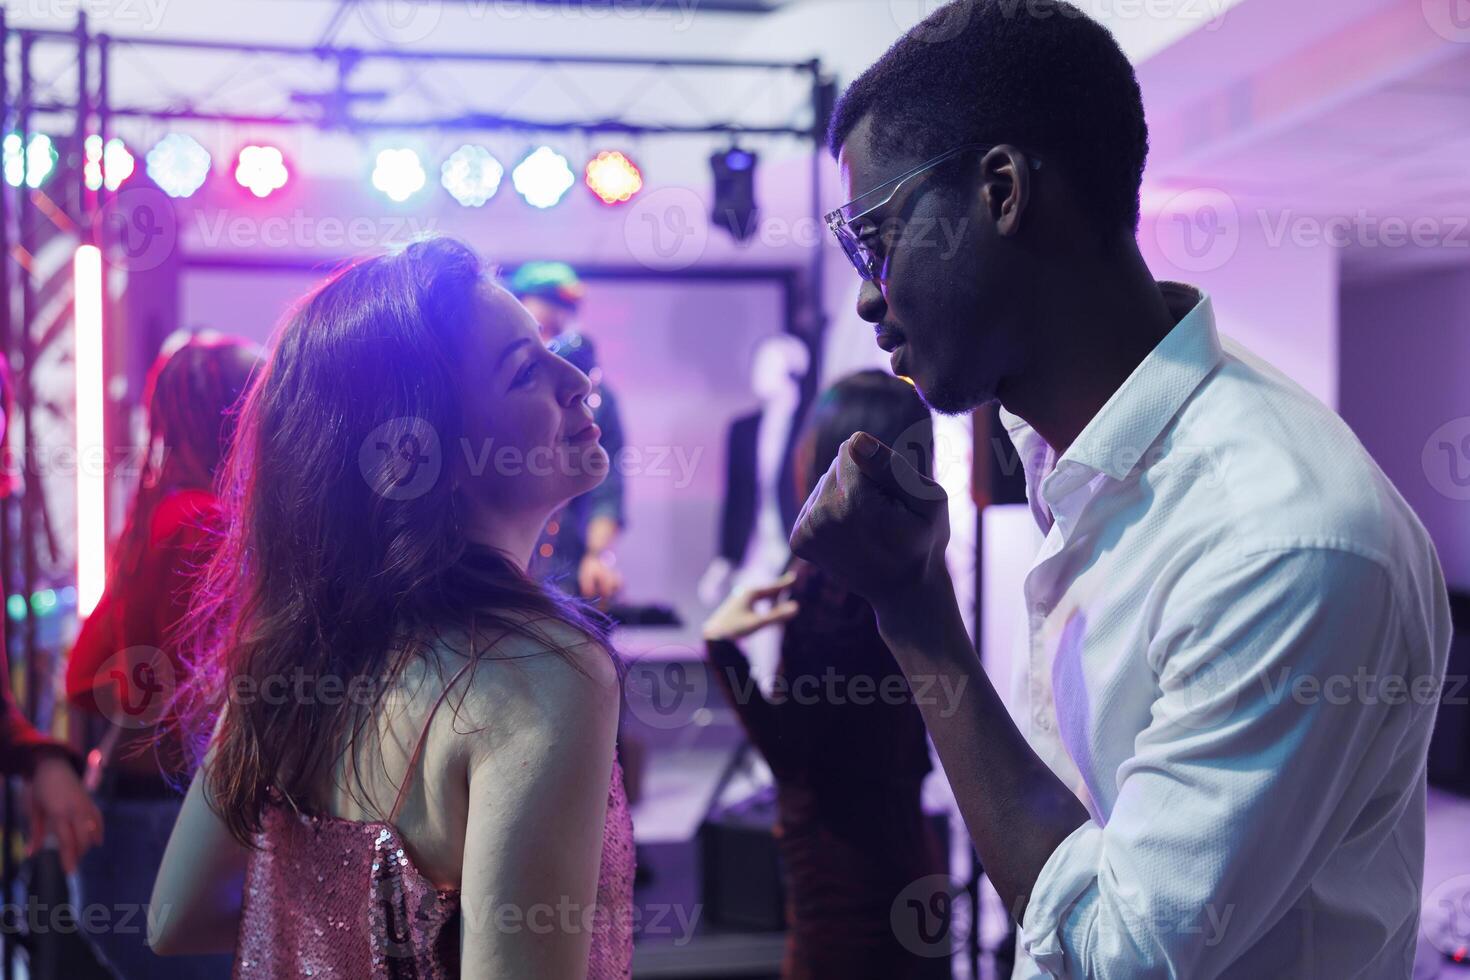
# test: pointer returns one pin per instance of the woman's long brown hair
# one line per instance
(323, 570)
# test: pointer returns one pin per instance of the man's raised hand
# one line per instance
(875, 523)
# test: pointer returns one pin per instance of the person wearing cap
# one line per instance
(576, 551)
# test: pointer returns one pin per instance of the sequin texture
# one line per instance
(341, 900)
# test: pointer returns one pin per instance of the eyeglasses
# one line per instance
(844, 219)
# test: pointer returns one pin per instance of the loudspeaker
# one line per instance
(741, 875)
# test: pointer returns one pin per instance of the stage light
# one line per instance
(613, 177)
(735, 209)
(543, 177)
(106, 166)
(471, 175)
(261, 170)
(31, 167)
(178, 165)
(92, 162)
(91, 404)
(40, 159)
(15, 163)
(399, 174)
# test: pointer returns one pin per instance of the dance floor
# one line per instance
(679, 784)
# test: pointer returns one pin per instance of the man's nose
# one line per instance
(871, 305)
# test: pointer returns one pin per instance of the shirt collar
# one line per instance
(1139, 411)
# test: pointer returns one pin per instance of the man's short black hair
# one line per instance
(1038, 74)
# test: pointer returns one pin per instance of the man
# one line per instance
(576, 551)
(1236, 627)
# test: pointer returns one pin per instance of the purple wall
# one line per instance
(1275, 297)
(1405, 390)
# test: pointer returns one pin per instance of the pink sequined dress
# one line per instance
(341, 899)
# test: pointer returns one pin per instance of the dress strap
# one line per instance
(413, 760)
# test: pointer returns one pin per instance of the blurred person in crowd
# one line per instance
(840, 730)
(125, 662)
(577, 552)
(760, 502)
(61, 812)
(369, 575)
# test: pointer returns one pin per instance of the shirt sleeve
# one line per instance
(1258, 756)
(146, 607)
(758, 717)
(96, 642)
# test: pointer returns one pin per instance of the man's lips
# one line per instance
(890, 340)
(894, 343)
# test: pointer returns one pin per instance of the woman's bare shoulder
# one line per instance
(525, 682)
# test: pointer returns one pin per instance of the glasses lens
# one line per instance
(861, 260)
(856, 253)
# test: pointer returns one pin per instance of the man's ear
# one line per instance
(1005, 187)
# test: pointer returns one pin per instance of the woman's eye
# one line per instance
(526, 374)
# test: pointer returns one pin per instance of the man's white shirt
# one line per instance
(1237, 632)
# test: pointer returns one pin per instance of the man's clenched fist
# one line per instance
(875, 523)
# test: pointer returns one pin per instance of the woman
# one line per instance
(840, 731)
(394, 465)
(190, 393)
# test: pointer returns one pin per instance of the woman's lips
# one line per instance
(592, 433)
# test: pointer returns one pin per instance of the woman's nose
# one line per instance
(574, 385)
(871, 305)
